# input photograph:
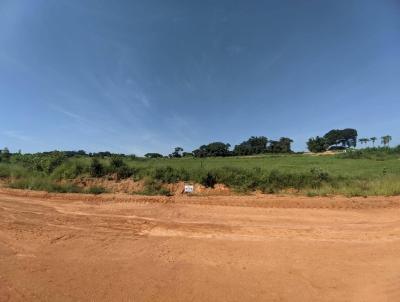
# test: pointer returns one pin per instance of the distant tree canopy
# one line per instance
(281, 146)
(386, 140)
(213, 149)
(254, 145)
(317, 144)
(334, 139)
(177, 152)
(346, 137)
(5, 155)
(153, 155)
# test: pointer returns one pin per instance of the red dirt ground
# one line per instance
(72, 247)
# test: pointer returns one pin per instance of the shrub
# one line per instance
(169, 175)
(154, 187)
(380, 153)
(116, 162)
(44, 184)
(96, 169)
(209, 180)
(96, 190)
(124, 172)
(68, 170)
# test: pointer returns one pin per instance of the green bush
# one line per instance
(209, 180)
(44, 184)
(380, 153)
(124, 172)
(154, 187)
(96, 169)
(169, 175)
(68, 170)
(96, 190)
(116, 162)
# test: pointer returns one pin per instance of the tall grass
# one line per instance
(44, 184)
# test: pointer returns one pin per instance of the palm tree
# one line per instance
(386, 140)
(373, 140)
(363, 140)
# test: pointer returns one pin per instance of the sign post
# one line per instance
(189, 188)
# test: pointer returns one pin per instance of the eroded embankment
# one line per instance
(253, 200)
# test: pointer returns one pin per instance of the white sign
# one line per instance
(189, 189)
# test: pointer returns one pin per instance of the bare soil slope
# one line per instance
(223, 248)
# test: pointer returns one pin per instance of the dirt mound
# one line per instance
(179, 189)
(130, 186)
(112, 185)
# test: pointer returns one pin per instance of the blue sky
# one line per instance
(146, 76)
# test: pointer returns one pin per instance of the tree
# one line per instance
(254, 145)
(364, 140)
(177, 152)
(153, 155)
(386, 140)
(373, 140)
(281, 146)
(5, 155)
(346, 137)
(213, 149)
(96, 169)
(317, 144)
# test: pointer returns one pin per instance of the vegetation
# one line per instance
(386, 140)
(213, 150)
(96, 169)
(334, 140)
(317, 144)
(44, 184)
(367, 171)
(154, 187)
(153, 155)
(254, 145)
(177, 152)
(96, 190)
(281, 146)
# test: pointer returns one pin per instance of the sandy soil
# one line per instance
(224, 248)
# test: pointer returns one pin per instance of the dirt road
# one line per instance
(76, 248)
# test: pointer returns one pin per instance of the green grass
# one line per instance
(154, 187)
(285, 163)
(44, 184)
(96, 190)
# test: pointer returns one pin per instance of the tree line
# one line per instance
(385, 140)
(253, 146)
(337, 139)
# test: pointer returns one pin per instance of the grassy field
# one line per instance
(359, 173)
(334, 165)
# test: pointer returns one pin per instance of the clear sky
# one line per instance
(146, 76)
